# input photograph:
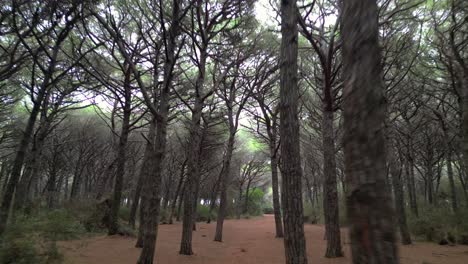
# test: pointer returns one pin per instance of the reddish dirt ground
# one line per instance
(245, 241)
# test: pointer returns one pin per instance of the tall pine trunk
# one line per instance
(294, 239)
(121, 157)
(193, 177)
(369, 204)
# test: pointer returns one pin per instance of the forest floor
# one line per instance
(246, 241)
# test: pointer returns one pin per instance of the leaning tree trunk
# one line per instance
(294, 240)
(370, 211)
(121, 160)
(330, 201)
(18, 161)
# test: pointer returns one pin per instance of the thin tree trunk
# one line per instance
(275, 190)
(239, 203)
(370, 210)
(181, 199)
(395, 172)
(453, 190)
(330, 201)
(214, 195)
(178, 190)
(246, 200)
(52, 189)
(429, 183)
(294, 240)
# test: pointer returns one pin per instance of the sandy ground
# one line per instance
(245, 242)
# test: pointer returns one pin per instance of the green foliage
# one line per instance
(124, 213)
(203, 212)
(312, 215)
(256, 202)
(251, 143)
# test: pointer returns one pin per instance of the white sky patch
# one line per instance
(265, 13)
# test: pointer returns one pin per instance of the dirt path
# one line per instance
(246, 242)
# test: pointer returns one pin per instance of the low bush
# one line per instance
(268, 210)
(28, 241)
(440, 225)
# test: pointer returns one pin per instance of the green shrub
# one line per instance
(203, 211)
(61, 225)
(255, 204)
(19, 251)
(124, 213)
(268, 210)
(436, 224)
(24, 243)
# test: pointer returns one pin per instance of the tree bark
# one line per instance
(370, 210)
(193, 177)
(143, 174)
(121, 157)
(330, 201)
(294, 240)
(275, 189)
(453, 190)
(224, 181)
(152, 189)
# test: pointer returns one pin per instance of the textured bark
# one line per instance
(464, 126)
(330, 201)
(294, 240)
(224, 181)
(152, 188)
(369, 203)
